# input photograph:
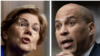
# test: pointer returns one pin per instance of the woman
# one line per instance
(22, 30)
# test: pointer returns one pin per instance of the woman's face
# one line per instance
(24, 33)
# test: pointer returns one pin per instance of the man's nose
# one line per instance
(28, 31)
(64, 31)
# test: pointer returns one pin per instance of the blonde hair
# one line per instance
(14, 14)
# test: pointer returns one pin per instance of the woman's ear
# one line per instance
(5, 36)
(91, 28)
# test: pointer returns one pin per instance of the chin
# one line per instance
(25, 48)
(72, 50)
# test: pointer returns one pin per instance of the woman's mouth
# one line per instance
(25, 40)
(66, 44)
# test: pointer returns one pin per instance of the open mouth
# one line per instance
(25, 40)
(66, 44)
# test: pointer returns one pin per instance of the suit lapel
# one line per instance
(96, 50)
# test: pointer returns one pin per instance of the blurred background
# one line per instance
(43, 49)
(93, 6)
(7, 6)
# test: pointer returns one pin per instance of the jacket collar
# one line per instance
(96, 50)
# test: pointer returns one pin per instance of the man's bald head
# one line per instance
(74, 29)
(79, 10)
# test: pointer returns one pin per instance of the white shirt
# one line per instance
(88, 51)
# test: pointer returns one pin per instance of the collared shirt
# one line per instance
(89, 50)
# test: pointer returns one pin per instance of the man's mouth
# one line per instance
(25, 40)
(66, 44)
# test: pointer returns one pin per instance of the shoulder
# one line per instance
(2, 47)
(96, 50)
(98, 44)
(2, 50)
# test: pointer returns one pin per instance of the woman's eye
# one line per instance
(21, 24)
(35, 29)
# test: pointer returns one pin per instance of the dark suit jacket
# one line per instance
(96, 50)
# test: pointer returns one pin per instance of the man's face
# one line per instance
(71, 31)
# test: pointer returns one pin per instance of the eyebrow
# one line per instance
(36, 24)
(23, 19)
(67, 18)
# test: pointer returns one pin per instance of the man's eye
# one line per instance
(71, 23)
(57, 26)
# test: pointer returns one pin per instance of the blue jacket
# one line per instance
(2, 50)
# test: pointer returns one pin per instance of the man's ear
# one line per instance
(91, 28)
(5, 36)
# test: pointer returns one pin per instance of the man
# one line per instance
(75, 31)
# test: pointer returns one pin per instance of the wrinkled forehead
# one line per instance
(67, 11)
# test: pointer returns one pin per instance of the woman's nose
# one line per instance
(28, 31)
